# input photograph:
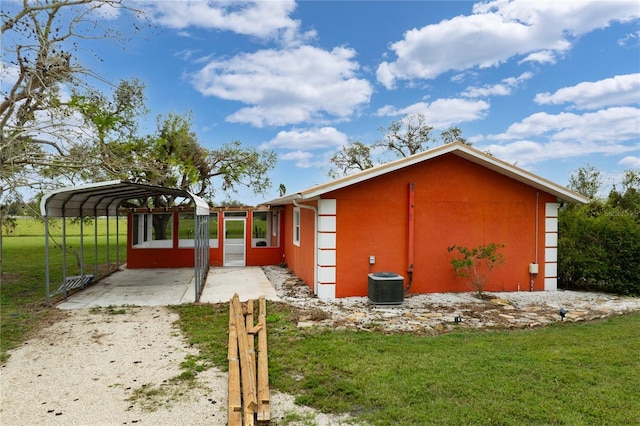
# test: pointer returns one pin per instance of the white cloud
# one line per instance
(287, 86)
(618, 90)
(262, 19)
(630, 161)
(502, 89)
(496, 32)
(607, 126)
(306, 160)
(325, 137)
(105, 10)
(541, 57)
(8, 76)
(630, 40)
(442, 113)
(526, 152)
(544, 136)
(302, 159)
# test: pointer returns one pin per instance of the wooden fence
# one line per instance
(248, 379)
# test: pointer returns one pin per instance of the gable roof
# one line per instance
(457, 148)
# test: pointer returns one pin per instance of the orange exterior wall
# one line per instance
(300, 259)
(140, 258)
(456, 202)
(261, 256)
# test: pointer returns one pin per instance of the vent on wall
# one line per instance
(386, 288)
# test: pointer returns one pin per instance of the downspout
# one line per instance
(410, 236)
(315, 241)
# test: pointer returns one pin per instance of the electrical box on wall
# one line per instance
(372, 260)
(533, 268)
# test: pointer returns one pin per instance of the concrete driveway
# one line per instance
(161, 287)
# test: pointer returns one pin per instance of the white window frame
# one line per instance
(145, 236)
(296, 226)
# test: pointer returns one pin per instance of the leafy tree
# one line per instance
(476, 263)
(586, 181)
(403, 138)
(173, 157)
(453, 134)
(355, 156)
(41, 39)
(407, 136)
(629, 199)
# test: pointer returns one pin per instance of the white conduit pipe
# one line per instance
(315, 242)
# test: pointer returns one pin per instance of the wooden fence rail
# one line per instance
(248, 380)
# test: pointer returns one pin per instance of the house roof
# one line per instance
(457, 148)
(104, 198)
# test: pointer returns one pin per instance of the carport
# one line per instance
(103, 199)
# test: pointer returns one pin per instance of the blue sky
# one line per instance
(548, 85)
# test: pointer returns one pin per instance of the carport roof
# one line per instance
(104, 198)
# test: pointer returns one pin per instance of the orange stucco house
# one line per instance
(398, 217)
(402, 216)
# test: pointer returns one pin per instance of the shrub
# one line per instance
(599, 248)
(477, 263)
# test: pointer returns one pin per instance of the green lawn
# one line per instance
(568, 373)
(23, 289)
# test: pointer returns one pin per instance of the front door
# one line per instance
(234, 241)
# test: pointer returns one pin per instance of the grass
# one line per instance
(569, 373)
(23, 290)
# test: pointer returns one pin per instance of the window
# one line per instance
(186, 230)
(296, 226)
(187, 227)
(265, 226)
(153, 230)
(213, 230)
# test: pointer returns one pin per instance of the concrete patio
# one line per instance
(161, 287)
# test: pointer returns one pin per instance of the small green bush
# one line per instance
(477, 263)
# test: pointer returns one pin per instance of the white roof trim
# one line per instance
(457, 148)
(104, 198)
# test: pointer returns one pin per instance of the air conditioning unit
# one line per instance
(386, 288)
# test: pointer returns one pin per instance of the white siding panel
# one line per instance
(326, 291)
(326, 240)
(327, 223)
(327, 274)
(551, 224)
(327, 206)
(550, 270)
(551, 284)
(550, 254)
(327, 257)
